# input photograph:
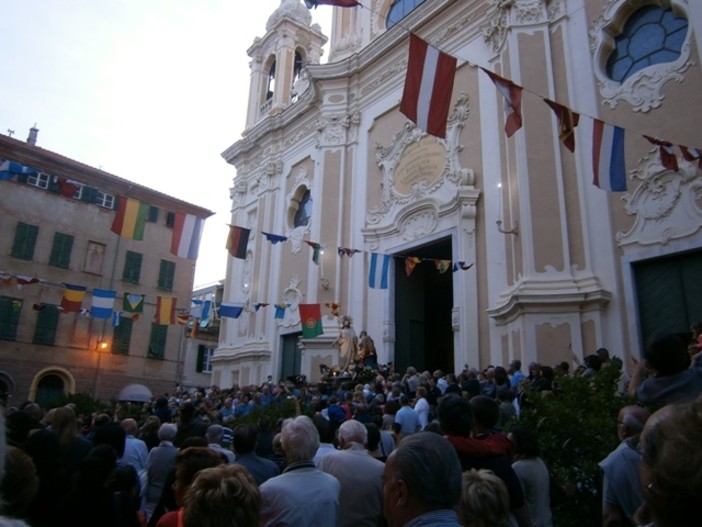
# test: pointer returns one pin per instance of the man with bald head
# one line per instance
(621, 485)
(422, 483)
(360, 475)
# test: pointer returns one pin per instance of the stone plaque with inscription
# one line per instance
(423, 160)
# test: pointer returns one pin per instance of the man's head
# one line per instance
(214, 434)
(130, 426)
(455, 415)
(631, 420)
(486, 413)
(299, 439)
(422, 474)
(352, 431)
(244, 440)
(667, 355)
(167, 432)
(188, 463)
(515, 366)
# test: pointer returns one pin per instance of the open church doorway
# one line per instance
(423, 304)
(668, 291)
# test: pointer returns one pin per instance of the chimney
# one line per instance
(32, 137)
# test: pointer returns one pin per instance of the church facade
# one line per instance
(495, 247)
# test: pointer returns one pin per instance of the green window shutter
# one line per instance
(25, 241)
(61, 250)
(121, 335)
(201, 358)
(157, 343)
(89, 194)
(132, 267)
(165, 275)
(47, 322)
(10, 309)
(153, 214)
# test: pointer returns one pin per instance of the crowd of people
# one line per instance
(404, 449)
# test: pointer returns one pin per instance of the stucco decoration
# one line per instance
(666, 204)
(432, 179)
(243, 321)
(246, 273)
(296, 234)
(418, 224)
(238, 191)
(267, 177)
(642, 90)
(332, 130)
(292, 296)
(530, 11)
(495, 33)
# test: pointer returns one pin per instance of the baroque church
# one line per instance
(494, 247)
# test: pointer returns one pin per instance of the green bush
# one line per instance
(576, 427)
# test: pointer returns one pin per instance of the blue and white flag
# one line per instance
(379, 267)
(103, 303)
(230, 310)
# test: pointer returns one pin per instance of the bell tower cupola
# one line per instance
(279, 59)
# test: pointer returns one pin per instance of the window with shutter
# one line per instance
(10, 309)
(132, 267)
(25, 241)
(165, 275)
(121, 335)
(61, 250)
(157, 342)
(47, 323)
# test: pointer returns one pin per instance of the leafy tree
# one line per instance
(576, 427)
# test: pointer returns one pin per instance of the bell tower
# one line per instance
(279, 59)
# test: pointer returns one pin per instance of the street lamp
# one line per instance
(100, 348)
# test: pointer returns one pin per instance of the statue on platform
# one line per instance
(347, 342)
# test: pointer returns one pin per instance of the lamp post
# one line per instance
(100, 347)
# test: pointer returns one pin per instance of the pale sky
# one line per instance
(152, 91)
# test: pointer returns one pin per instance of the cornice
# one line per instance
(56, 164)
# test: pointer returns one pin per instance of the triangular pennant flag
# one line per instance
(410, 263)
(666, 152)
(133, 303)
(280, 310)
(165, 310)
(462, 266)
(345, 251)
(334, 309)
(103, 303)
(182, 318)
(130, 218)
(274, 238)
(72, 297)
(230, 310)
(692, 155)
(513, 101)
(259, 305)
(338, 3)
(311, 320)
(609, 170)
(567, 121)
(379, 270)
(187, 231)
(426, 98)
(237, 241)
(316, 250)
(442, 265)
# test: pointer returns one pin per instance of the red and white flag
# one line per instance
(666, 151)
(692, 154)
(513, 101)
(426, 98)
